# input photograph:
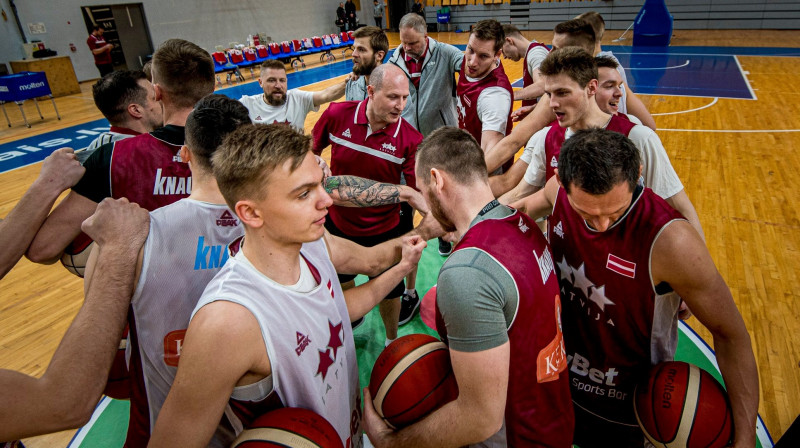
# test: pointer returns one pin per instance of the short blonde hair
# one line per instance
(243, 163)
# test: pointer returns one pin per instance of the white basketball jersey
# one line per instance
(308, 338)
(186, 247)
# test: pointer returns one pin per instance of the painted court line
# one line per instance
(658, 68)
(81, 434)
(690, 110)
(744, 76)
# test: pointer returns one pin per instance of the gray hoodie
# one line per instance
(434, 104)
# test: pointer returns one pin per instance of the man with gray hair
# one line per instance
(370, 139)
(430, 67)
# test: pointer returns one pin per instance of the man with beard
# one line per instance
(369, 48)
(497, 308)
(369, 139)
(279, 105)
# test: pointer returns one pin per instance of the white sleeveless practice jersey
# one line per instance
(308, 338)
(186, 247)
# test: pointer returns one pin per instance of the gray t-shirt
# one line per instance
(476, 296)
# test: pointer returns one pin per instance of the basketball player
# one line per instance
(186, 247)
(562, 38)
(279, 105)
(623, 256)
(430, 67)
(146, 169)
(127, 99)
(277, 300)
(66, 395)
(609, 88)
(60, 171)
(571, 80)
(370, 46)
(497, 308)
(484, 93)
(369, 139)
(517, 47)
(575, 32)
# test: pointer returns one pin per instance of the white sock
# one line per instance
(411, 292)
(388, 341)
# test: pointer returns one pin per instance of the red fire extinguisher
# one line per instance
(72, 48)
(256, 40)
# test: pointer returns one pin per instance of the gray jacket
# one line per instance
(434, 104)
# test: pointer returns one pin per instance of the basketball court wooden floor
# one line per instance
(729, 118)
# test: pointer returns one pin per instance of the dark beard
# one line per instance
(365, 69)
(439, 214)
(272, 102)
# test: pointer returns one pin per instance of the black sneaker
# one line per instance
(357, 323)
(445, 247)
(408, 306)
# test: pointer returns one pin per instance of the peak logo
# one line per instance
(227, 220)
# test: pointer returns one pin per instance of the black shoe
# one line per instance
(445, 248)
(408, 306)
(357, 323)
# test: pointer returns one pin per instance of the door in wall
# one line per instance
(126, 28)
(397, 9)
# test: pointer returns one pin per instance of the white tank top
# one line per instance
(308, 338)
(185, 249)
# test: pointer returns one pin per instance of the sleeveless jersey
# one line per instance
(538, 409)
(556, 136)
(468, 93)
(616, 322)
(308, 338)
(149, 172)
(527, 78)
(185, 249)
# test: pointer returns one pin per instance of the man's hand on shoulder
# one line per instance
(60, 170)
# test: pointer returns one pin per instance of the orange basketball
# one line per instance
(77, 254)
(289, 428)
(411, 378)
(681, 405)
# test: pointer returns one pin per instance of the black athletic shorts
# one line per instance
(369, 241)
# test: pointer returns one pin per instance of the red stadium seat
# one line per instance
(219, 58)
(286, 47)
(336, 39)
(249, 54)
(350, 35)
(261, 51)
(297, 45)
(345, 36)
(317, 41)
(308, 43)
(236, 56)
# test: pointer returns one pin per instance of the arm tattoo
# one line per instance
(360, 192)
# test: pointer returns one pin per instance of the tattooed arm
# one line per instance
(353, 191)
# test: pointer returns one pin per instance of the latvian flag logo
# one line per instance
(620, 266)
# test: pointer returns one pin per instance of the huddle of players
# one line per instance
(272, 294)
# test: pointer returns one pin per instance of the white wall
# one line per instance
(205, 22)
(10, 39)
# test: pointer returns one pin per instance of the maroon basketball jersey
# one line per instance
(149, 172)
(538, 409)
(555, 138)
(468, 93)
(527, 79)
(614, 320)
